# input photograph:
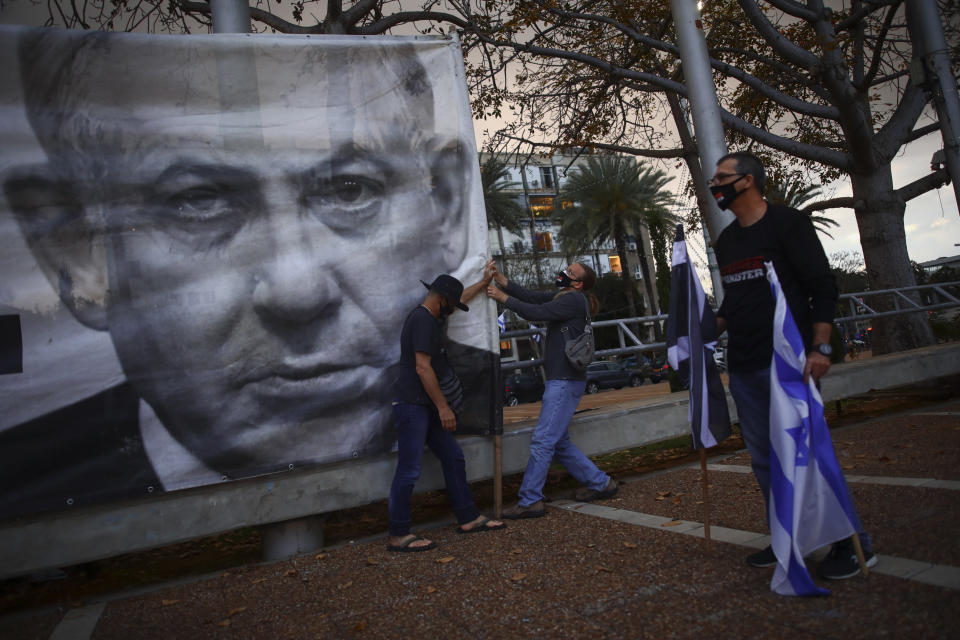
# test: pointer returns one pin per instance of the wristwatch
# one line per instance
(823, 349)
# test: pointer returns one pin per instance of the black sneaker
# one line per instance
(589, 495)
(762, 559)
(516, 512)
(842, 561)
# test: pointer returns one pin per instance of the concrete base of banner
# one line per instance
(71, 537)
(282, 540)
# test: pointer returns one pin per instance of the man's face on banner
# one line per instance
(259, 258)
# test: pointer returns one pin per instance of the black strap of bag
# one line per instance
(580, 350)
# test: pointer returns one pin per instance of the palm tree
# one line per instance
(503, 212)
(795, 193)
(613, 197)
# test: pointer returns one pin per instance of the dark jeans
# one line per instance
(418, 425)
(751, 393)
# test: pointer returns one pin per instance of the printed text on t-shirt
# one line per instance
(743, 270)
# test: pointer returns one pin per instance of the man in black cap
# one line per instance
(427, 400)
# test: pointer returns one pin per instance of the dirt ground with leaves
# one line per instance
(565, 575)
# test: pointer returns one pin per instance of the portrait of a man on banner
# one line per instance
(243, 217)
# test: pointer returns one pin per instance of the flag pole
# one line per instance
(706, 499)
(497, 476)
(860, 557)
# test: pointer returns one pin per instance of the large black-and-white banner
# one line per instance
(210, 245)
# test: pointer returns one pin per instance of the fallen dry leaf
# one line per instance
(672, 523)
(320, 556)
(518, 577)
(236, 611)
(518, 550)
(225, 623)
(360, 626)
(603, 569)
(445, 559)
(629, 545)
(346, 584)
(372, 561)
(259, 580)
(591, 545)
(663, 494)
(677, 500)
(659, 498)
(168, 603)
(291, 572)
(431, 589)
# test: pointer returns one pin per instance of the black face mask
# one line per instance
(563, 280)
(726, 193)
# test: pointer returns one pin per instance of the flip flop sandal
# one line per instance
(483, 526)
(406, 548)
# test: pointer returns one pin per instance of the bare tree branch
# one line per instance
(794, 9)
(833, 203)
(926, 130)
(920, 186)
(780, 43)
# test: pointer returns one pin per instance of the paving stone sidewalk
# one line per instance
(630, 567)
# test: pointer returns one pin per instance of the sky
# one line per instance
(931, 221)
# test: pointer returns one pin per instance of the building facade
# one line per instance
(536, 254)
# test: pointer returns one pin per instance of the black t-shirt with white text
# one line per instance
(786, 237)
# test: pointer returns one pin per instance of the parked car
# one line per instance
(522, 387)
(655, 369)
(659, 369)
(611, 375)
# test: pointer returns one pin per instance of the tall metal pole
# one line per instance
(930, 47)
(705, 108)
(230, 16)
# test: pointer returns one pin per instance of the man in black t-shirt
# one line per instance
(428, 395)
(765, 232)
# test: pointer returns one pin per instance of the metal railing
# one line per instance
(926, 297)
(930, 297)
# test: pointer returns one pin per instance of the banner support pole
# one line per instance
(497, 476)
(706, 499)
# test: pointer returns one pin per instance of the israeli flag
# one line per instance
(501, 322)
(810, 506)
(691, 340)
(536, 336)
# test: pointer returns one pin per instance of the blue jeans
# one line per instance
(418, 425)
(751, 393)
(551, 438)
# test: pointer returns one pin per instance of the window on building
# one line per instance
(544, 242)
(615, 264)
(546, 177)
(542, 206)
(518, 246)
